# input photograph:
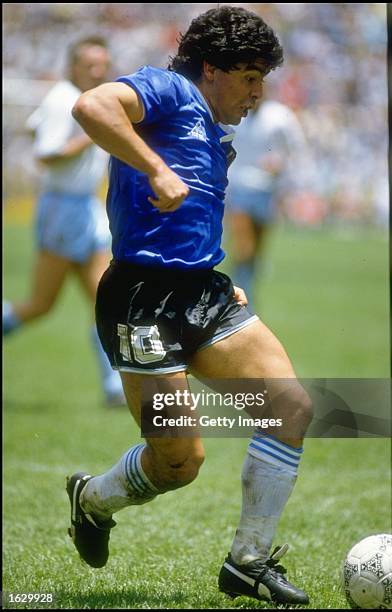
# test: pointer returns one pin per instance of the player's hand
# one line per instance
(169, 189)
(240, 296)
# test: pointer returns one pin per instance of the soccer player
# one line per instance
(71, 225)
(271, 152)
(162, 308)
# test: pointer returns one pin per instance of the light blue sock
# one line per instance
(110, 378)
(268, 478)
(243, 277)
(10, 320)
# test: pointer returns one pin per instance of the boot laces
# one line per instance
(272, 562)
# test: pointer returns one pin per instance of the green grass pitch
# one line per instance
(326, 297)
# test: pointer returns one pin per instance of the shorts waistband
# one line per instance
(153, 270)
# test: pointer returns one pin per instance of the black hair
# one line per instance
(88, 41)
(225, 37)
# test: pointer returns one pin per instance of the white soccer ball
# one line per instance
(367, 573)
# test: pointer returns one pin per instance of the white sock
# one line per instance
(268, 477)
(124, 485)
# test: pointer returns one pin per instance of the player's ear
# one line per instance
(208, 71)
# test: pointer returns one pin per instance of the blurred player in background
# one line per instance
(271, 151)
(163, 309)
(71, 226)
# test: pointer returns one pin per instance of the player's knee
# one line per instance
(179, 471)
(186, 471)
(302, 409)
(294, 409)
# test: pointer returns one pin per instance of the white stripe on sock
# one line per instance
(276, 453)
(284, 448)
(142, 473)
(135, 473)
(271, 459)
(131, 476)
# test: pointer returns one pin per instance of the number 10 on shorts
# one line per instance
(143, 344)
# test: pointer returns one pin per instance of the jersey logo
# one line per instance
(198, 131)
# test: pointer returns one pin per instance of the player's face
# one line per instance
(233, 93)
(91, 67)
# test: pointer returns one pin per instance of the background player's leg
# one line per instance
(89, 274)
(145, 470)
(244, 250)
(270, 468)
(48, 277)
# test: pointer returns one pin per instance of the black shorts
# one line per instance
(151, 320)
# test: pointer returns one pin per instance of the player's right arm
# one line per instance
(107, 113)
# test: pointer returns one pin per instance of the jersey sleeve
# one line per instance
(160, 92)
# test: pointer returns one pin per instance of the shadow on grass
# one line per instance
(125, 599)
(19, 405)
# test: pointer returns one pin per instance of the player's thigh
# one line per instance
(256, 359)
(139, 390)
(90, 272)
(251, 352)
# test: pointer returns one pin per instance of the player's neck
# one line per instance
(204, 92)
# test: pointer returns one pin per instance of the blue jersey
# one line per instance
(179, 127)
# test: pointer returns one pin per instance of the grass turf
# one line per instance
(326, 298)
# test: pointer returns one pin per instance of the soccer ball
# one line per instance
(367, 573)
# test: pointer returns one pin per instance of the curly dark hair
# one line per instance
(225, 37)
